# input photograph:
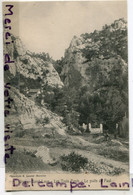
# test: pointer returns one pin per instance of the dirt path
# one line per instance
(56, 152)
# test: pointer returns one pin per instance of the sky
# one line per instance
(50, 26)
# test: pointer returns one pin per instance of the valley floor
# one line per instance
(43, 154)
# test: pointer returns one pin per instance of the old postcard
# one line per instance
(66, 95)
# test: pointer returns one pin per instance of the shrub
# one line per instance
(46, 120)
(73, 162)
(25, 61)
(47, 136)
(103, 168)
(115, 154)
(35, 136)
(30, 154)
(15, 53)
(20, 134)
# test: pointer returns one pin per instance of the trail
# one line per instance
(91, 153)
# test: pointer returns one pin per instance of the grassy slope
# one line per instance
(103, 157)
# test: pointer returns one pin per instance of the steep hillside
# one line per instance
(109, 43)
(95, 68)
(27, 115)
(94, 74)
(54, 102)
(37, 68)
(28, 76)
(73, 71)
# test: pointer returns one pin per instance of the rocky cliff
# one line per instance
(29, 65)
(27, 115)
(73, 72)
(31, 72)
(106, 44)
(95, 66)
(54, 102)
(88, 84)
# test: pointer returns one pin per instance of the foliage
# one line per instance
(58, 65)
(62, 102)
(103, 168)
(24, 161)
(73, 162)
(25, 61)
(114, 153)
(42, 121)
(111, 41)
(44, 56)
(46, 120)
(15, 54)
(20, 133)
(106, 100)
(104, 97)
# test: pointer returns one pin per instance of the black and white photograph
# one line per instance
(66, 90)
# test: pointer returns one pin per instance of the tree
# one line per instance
(108, 89)
(111, 41)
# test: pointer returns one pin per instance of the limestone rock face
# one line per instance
(31, 72)
(31, 116)
(74, 69)
(108, 43)
(90, 64)
(31, 66)
(19, 47)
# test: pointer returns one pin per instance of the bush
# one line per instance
(30, 154)
(35, 136)
(73, 162)
(25, 61)
(47, 136)
(115, 154)
(103, 168)
(46, 120)
(20, 134)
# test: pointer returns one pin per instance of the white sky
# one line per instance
(50, 26)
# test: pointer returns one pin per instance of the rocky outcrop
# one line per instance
(95, 65)
(31, 72)
(31, 66)
(28, 115)
(94, 69)
(74, 70)
(110, 42)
